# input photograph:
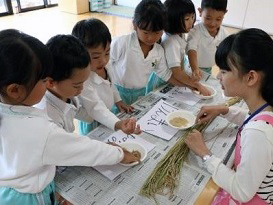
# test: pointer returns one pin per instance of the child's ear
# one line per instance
(253, 77)
(16, 92)
(200, 11)
(226, 11)
(50, 83)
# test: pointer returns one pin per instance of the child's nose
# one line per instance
(214, 23)
(104, 61)
(152, 38)
(81, 88)
(219, 75)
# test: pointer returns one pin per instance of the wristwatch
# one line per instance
(206, 157)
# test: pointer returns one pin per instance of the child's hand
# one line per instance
(196, 143)
(203, 90)
(128, 126)
(129, 157)
(209, 112)
(123, 107)
(196, 74)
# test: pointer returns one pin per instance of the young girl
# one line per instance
(31, 144)
(181, 17)
(96, 37)
(135, 56)
(246, 64)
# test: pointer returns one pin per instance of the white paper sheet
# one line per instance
(112, 171)
(183, 94)
(154, 121)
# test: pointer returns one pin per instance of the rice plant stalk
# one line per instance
(165, 177)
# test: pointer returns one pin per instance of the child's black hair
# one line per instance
(176, 12)
(92, 33)
(24, 60)
(250, 49)
(219, 5)
(68, 54)
(150, 15)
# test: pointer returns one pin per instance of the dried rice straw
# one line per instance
(165, 177)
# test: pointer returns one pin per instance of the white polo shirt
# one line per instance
(86, 107)
(255, 167)
(63, 113)
(105, 89)
(130, 68)
(201, 41)
(174, 47)
(95, 107)
(32, 145)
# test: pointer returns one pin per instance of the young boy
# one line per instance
(204, 38)
(63, 101)
(96, 38)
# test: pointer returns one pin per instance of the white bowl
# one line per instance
(211, 89)
(189, 116)
(134, 146)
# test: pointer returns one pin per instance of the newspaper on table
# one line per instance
(84, 185)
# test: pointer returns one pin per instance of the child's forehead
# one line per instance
(150, 26)
(212, 12)
(100, 47)
(79, 73)
(189, 14)
(149, 29)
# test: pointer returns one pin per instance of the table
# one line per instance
(84, 185)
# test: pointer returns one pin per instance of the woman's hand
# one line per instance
(123, 107)
(128, 126)
(208, 113)
(196, 143)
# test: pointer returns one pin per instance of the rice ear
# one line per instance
(165, 177)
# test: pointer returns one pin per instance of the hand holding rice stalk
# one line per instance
(165, 177)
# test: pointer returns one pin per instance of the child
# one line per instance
(245, 62)
(180, 19)
(204, 38)
(31, 144)
(71, 70)
(96, 37)
(135, 56)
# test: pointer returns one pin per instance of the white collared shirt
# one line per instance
(63, 113)
(32, 145)
(201, 41)
(87, 108)
(256, 158)
(130, 68)
(174, 47)
(105, 89)
(95, 107)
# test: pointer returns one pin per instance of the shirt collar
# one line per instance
(206, 33)
(60, 104)
(21, 110)
(136, 46)
(97, 79)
